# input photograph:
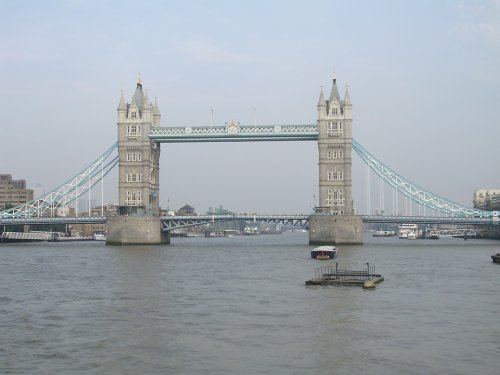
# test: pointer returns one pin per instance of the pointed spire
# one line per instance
(139, 82)
(334, 94)
(122, 104)
(321, 101)
(347, 97)
(156, 108)
(138, 97)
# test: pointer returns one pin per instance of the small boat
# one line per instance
(384, 233)
(99, 236)
(408, 231)
(496, 258)
(411, 236)
(324, 252)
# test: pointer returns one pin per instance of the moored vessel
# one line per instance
(324, 252)
(384, 233)
(100, 236)
(408, 231)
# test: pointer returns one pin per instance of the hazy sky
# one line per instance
(424, 80)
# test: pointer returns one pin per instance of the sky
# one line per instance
(423, 79)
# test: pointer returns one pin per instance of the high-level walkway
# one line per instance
(36, 211)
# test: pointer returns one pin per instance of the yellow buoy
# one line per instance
(369, 285)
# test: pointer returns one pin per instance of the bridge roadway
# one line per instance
(300, 220)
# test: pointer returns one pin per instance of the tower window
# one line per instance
(134, 197)
(335, 176)
(134, 156)
(338, 176)
(334, 129)
(134, 177)
(133, 130)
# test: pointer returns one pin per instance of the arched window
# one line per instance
(338, 176)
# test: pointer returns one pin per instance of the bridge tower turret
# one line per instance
(335, 145)
(335, 221)
(139, 165)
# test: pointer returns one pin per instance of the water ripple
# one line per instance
(203, 306)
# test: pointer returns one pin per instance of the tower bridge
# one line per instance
(140, 136)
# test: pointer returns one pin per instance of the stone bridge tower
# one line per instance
(138, 220)
(334, 221)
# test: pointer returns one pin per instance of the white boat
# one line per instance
(99, 236)
(251, 231)
(384, 233)
(408, 231)
(412, 236)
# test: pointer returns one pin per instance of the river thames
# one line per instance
(240, 306)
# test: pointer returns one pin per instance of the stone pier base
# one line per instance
(335, 230)
(135, 230)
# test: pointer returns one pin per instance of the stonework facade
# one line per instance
(136, 230)
(334, 221)
(13, 192)
(139, 164)
(335, 152)
(487, 199)
(138, 218)
(334, 229)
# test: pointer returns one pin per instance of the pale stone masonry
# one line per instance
(334, 221)
(335, 148)
(13, 192)
(487, 199)
(139, 157)
(138, 219)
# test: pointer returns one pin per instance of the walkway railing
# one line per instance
(235, 133)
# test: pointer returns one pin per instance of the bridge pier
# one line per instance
(136, 230)
(335, 229)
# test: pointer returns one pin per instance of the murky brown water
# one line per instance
(240, 306)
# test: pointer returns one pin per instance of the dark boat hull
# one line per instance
(495, 258)
(21, 240)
